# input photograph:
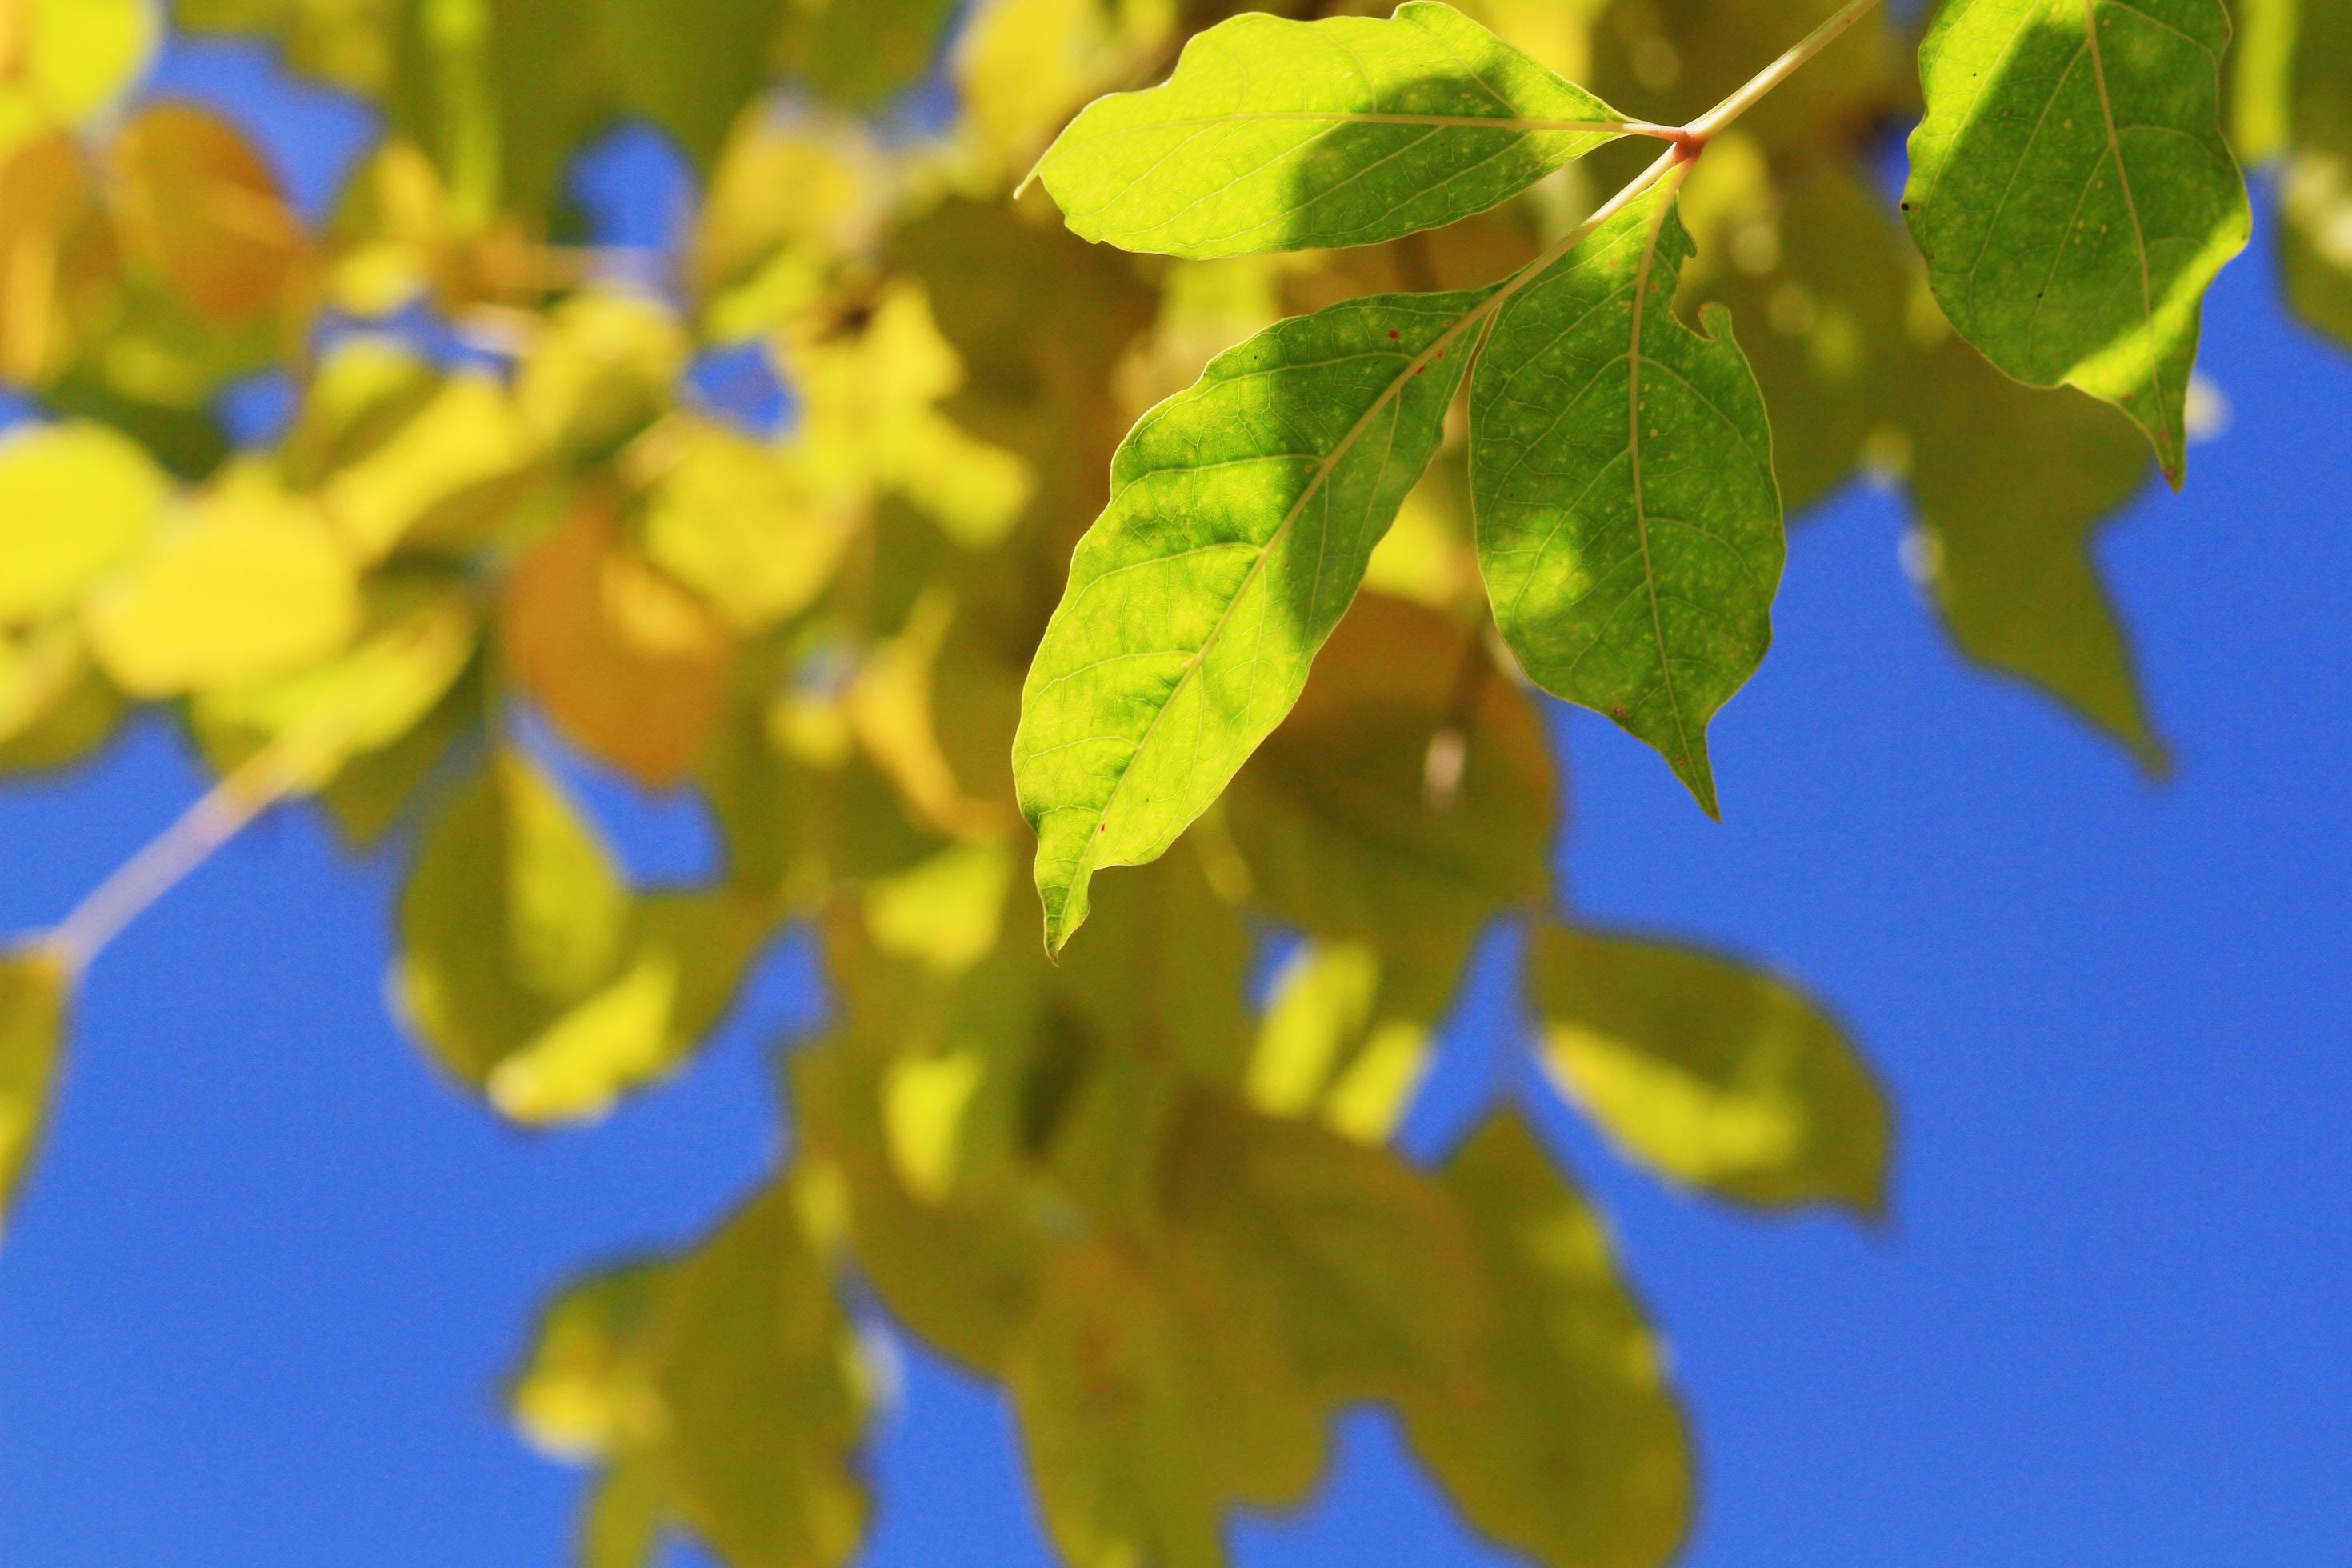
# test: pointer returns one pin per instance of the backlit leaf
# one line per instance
(2072, 192)
(1280, 136)
(33, 998)
(1564, 1442)
(738, 521)
(1712, 1073)
(77, 56)
(251, 583)
(74, 500)
(1241, 515)
(1629, 524)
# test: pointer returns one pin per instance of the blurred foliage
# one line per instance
(500, 538)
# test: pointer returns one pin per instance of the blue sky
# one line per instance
(254, 1309)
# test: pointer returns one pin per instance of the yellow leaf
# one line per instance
(420, 634)
(630, 667)
(431, 462)
(741, 523)
(250, 585)
(53, 706)
(1349, 1034)
(77, 56)
(762, 1401)
(33, 996)
(74, 499)
(200, 205)
(604, 366)
(48, 202)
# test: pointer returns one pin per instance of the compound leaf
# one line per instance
(1280, 136)
(1711, 1072)
(1620, 465)
(2072, 194)
(1241, 514)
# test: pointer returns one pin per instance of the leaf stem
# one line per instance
(225, 811)
(1700, 130)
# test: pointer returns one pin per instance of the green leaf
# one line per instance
(2316, 188)
(1279, 135)
(1710, 1072)
(1629, 525)
(514, 915)
(1242, 513)
(2010, 565)
(2072, 192)
(34, 986)
(763, 1405)
(1410, 796)
(721, 1390)
(1564, 1441)
(1148, 1403)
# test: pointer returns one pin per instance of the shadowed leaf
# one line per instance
(1710, 1072)
(33, 998)
(1629, 524)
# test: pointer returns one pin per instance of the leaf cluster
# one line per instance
(1385, 417)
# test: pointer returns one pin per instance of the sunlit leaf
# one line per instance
(1279, 135)
(74, 500)
(1240, 516)
(1564, 1442)
(33, 999)
(54, 705)
(739, 522)
(685, 955)
(2072, 192)
(48, 202)
(399, 455)
(1715, 1074)
(604, 368)
(630, 667)
(2010, 565)
(720, 1389)
(1629, 524)
(418, 638)
(75, 58)
(1349, 1033)
(1410, 794)
(251, 583)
